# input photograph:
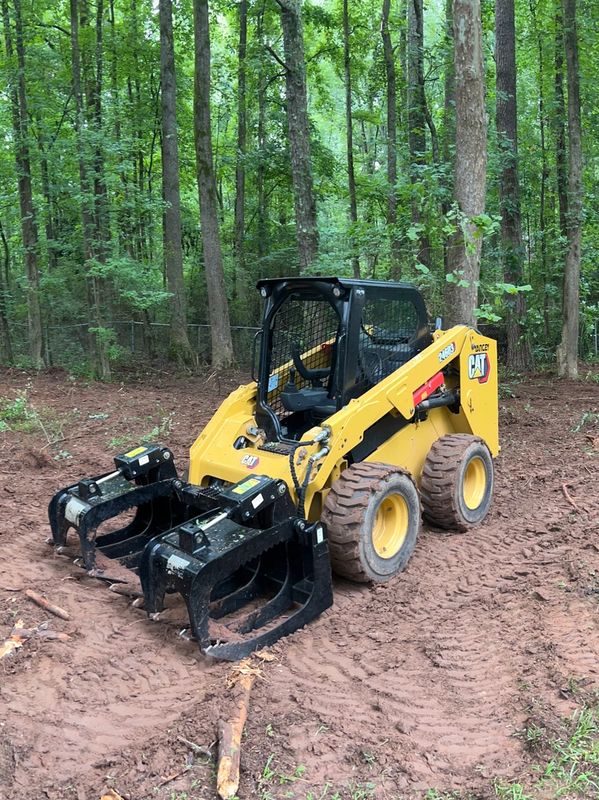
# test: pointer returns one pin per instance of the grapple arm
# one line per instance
(239, 554)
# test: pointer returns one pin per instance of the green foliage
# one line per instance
(590, 417)
(572, 769)
(15, 413)
(121, 152)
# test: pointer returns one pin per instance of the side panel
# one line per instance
(479, 388)
(409, 447)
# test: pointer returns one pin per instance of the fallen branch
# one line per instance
(173, 776)
(41, 633)
(231, 730)
(46, 604)
(112, 794)
(568, 496)
(125, 589)
(197, 748)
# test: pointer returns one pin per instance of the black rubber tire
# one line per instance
(442, 484)
(349, 514)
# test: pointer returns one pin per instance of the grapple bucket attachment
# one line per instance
(248, 569)
(143, 481)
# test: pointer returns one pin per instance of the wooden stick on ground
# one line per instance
(126, 589)
(46, 604)
(230, 731)
(41, 633)
(568, 496)
(112, 795)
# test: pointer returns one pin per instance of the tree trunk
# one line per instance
(5, 340)
(545, 272)
(240, 277)
(29, 231)
(100, 192)
(559, 120)
(471, 162)
(391, 89)
(448, 117)
(122, 222)
(50, 226)
(97, 341)
(222, 346)
(180, 348)
(567, 354)
(448, 86)
(299, 133)
(262, 211)
(417, 113)
(519, 357)
(349, 139)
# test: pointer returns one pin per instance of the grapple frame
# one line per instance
(222, 549)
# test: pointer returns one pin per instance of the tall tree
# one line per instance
(518, 354)
(29, 230)
(262, 199)
(448, 85)
(417, 113)
(349, 136)
(544, 167)
(463, 260)
(567, 353)
(5, 338)
(391, 93)
(241, 150)
(173, 253)
(559, 121)
(448, 117)
(299, 133)
(102, 224)
(97, 341)
(218, 308)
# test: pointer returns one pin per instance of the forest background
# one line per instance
(157, 159)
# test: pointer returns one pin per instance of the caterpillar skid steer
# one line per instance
(359, 420)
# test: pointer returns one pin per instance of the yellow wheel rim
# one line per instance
(390, 526)
(475, 483)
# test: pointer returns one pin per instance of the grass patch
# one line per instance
(587, 418)
(276, 782)
(158, 433)
(573, 766)
(17, 414)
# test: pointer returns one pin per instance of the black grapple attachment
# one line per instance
(248, 568)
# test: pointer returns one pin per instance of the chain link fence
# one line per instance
(68, 345)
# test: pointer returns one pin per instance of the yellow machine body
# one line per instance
(360, 422)
(214, 456)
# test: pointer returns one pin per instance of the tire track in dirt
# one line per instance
(422, 682)
(452, 641)
(120, 679)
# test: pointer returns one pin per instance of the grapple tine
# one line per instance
(293, 558)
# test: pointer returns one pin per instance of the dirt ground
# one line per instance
(428, 682)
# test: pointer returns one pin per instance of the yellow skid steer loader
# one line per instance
(358, 420)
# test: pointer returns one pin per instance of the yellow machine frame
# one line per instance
(213, 455)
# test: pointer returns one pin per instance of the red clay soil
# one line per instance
(425, 682)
